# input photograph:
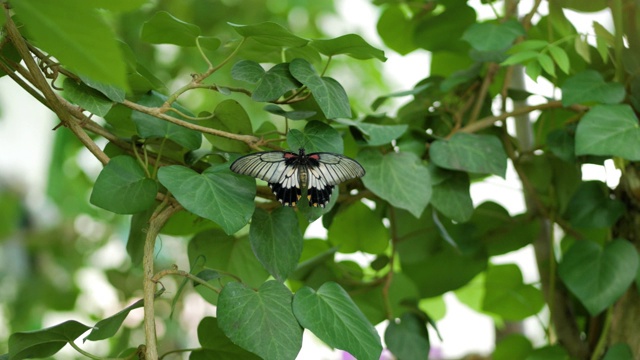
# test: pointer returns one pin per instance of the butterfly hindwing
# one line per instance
(287, 173)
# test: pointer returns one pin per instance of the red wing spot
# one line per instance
(314, 157)
(290, 156)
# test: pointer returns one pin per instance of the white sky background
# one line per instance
(26, 138)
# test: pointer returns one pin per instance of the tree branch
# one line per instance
(156, 222)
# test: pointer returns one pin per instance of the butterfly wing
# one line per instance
(278, 168)
(325, 171)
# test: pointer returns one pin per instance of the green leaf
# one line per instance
(397, 177)
(217, 194)
(620, 351)
(108, 327)
(87, 98)
(533, 70)
(247, 70)
(560, 57)
(582, 48)
(393, 27)
(493, 37)
(82, 42)
(276, 240)
(291, 115)
(351, 44)
(432, 264)
(112, 92)
(604, 40)
(520, 58)
(137, 235)
(164, 28)
(552, 352)
(451, 194)
(599, 276)
(408, 338)
(327, 92)
(376, 134)
(589, 86)
(470, 152)
(275, 83)
(358, 228)
(269, 33)
(209, 42)
(333, 317)
(317, 137)
(610, 130)
(123, 188)
(546, 63)
(443, 31)
(216, 345)
(528, 45)
(415, 91)
(512, 347)
(226, 254)
(119, 5)
(229, 116)
(592, 207)
(507, 296)
(260, 321)
(151, 127)
(45, 342)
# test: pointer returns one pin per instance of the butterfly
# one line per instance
(287, 173)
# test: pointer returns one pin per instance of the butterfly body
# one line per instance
(287, 173)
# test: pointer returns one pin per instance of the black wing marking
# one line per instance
(273, 167)
(327, 170)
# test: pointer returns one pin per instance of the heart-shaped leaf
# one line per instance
(44, 343)
(327, 92)
(489, 36)
(231, 117)
(334, 318)
(213, 249)
(599, 276)
(275, 83)
(610, 130)
(123, 188)
(592, 207)
(269, 33)
(216, 345)
(95, 54)
(507, 296)
(217, 194)
(358, 228)
(276, 240)
(408, 338)
(351, 44)
(451, 194)
(247, 70)
(470, 152)
(589, 86)
(86, 97)
(260, 321)
(317, 137)
(377, 134)
(164, 28)
(151, 127)
(398, 177)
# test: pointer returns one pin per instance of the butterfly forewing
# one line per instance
(287, 173)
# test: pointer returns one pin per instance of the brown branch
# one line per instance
(42, 85)
(253, 141)
(484, 90)
(490, 120)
